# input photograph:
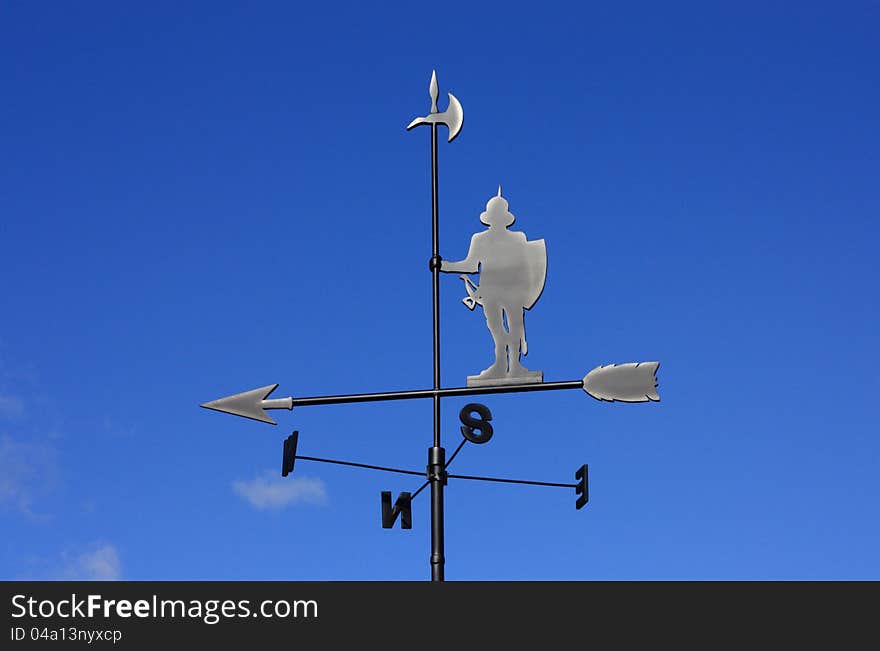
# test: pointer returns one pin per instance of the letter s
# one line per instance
(22, 609)
(469, 423)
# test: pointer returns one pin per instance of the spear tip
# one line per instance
(434, 90)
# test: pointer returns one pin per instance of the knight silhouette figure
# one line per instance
(512, 272)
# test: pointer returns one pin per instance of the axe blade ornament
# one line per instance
(452, 117)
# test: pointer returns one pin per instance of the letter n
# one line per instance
(402, 507)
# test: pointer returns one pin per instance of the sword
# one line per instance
(471, 300)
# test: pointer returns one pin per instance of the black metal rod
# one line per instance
(430, 393)
(437, 477)
(421, 474)
(418, 490)
(457, 450)
(436, 460)
(435, 278)
(513, 481)
(362, 465)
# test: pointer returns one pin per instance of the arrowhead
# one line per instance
(248, 404)
(632, 382)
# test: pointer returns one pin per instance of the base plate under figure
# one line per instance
(530, 377)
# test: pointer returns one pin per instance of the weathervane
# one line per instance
(512, 271)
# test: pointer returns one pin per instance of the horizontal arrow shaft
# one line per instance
(630, 382)
(430, 393)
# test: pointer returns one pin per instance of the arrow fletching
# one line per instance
(632, 382)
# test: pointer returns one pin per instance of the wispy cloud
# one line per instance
(100, 564)
(11, 406)
(27, 470)
(269, 491)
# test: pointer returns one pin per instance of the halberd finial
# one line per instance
(452, 117)
(434, 90)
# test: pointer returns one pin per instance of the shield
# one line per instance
(536, 271)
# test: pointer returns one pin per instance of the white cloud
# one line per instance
(101, 564)
(11, 406)
(271, 491)
(27, 470)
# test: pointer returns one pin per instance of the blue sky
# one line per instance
(203, 198)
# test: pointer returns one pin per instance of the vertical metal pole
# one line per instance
(436, 465)
(435, 270)
(436, 454)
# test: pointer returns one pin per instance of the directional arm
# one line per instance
(633, 382)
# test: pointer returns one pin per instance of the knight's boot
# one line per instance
(518, 370)
(499, 368)
(498, 374)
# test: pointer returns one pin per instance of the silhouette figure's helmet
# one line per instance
(497, 213)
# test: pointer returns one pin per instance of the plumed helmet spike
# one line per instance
(497, 211)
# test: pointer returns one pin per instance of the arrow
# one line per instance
(251, 404)
(632, 382)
